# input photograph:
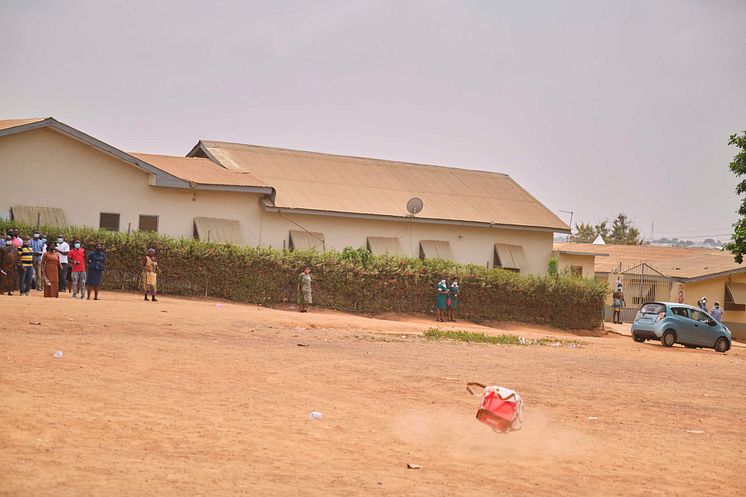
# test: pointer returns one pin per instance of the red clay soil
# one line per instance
(189, 397)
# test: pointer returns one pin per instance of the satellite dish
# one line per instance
(414, 205)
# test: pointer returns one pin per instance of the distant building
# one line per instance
(659, 273)
(260, 196)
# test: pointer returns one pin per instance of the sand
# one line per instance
(201, 397)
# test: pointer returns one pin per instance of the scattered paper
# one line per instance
(694, 431)
(592, 418)
(413, 466)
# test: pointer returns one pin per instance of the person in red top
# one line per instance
(77, 263)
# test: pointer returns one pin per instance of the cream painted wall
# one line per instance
(714, 290)
(564, 261)
(46, 168)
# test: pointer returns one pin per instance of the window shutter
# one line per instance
(109, 221)
(148, 223)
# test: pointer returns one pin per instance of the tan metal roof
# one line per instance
(218, 230)
(306, 240)
(325, 182)
(511, 256)
(45, 216)
(436, 249)
(198, 170)
(675, 262)
(384, 245)
(12, 123)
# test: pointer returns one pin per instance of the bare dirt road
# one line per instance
(187, 397)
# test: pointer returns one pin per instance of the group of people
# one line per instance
(446, 299)
(34, 262)
(716, 312)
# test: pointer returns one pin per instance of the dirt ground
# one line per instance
(200, 397)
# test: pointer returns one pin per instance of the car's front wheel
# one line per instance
(722, 345)
(668, 338)
(638, 339)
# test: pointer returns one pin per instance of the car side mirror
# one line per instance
(711, 322)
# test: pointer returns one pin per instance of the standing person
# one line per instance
(305, 294)
(62, 250)
(9, 265)
(77, 264)
(37, 246)
(618, 285)
(150, 271)
(453, 299)
(717, 312)
(441, 298)
(50, 271)
(702, 303)
(17, 240)
(96, 260)
(26, 262)
(619, 302)
(680, 300)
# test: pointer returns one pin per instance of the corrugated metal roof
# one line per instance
(199, 170)
(306, 240)
(218, 230)
(12, 123)
(382, 245)
(46, 216)
(325, 182)
(436, 249)
(511, 256)
(674, 262)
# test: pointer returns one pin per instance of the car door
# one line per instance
(685, 329)
(702, 332)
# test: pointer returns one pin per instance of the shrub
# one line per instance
(352, 280)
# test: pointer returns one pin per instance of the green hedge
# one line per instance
(352, 280)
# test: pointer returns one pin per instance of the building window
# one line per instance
(148, 223)
(108, 221)
(576, 271)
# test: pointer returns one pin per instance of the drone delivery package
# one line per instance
(500, 408)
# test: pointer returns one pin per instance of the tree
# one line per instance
(587, 233)
(623, 232)
(738, 244)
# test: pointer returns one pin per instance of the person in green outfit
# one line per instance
(304, 289)
(453, 299)
(441, 298)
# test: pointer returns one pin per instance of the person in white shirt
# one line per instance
(63, 249)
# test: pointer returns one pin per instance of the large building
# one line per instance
(261, 196)
(653, 273)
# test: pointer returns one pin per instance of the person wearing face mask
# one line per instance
(8, 267)
(63, 249)
(77, 265)
(453, 299)
(37, 246)
(26, 265)
(50, 271)
(96, 260)
(441, 298)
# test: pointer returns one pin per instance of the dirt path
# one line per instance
(189, 397)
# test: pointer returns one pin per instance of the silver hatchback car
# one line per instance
(680, 323)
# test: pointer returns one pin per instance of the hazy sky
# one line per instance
(593, 106)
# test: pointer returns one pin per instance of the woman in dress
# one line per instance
(96, 260)
(441, 298)
(453, 299)
(50, 271)
(150, 271)
(305, 296)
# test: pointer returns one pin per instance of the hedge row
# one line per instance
(352, 280)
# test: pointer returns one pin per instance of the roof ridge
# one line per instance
(217, 143)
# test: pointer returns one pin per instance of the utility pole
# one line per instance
(571, 214)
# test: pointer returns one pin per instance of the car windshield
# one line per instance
(653, 309)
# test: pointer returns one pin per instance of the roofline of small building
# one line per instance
(695, 279)
(574, 252)
(158, 177)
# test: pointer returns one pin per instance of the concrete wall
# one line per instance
(46, 168)
(584, 261)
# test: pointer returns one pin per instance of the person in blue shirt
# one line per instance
(37, 246)
(441, 298)
(717, 312)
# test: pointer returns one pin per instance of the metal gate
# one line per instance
(641, 283)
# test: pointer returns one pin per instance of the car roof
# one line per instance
(674, 304)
